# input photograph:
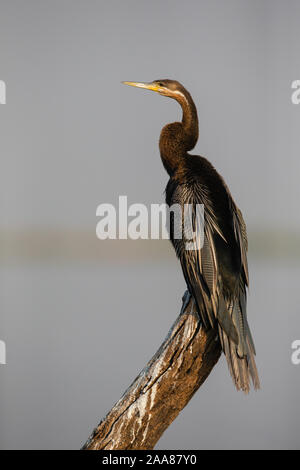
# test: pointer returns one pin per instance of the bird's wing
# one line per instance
(198, 256)
(241, 237)
(204, 277)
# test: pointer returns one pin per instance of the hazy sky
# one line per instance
(72, 136)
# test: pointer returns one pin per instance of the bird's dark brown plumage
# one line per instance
(216, 274)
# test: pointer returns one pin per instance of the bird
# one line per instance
(216, 269)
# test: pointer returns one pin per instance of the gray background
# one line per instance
(81, 317)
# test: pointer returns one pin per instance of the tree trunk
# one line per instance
(163, 388)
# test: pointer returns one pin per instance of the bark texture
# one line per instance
(162, 389)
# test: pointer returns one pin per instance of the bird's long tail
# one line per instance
(240, 357)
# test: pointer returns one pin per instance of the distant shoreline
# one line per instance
(80, 245)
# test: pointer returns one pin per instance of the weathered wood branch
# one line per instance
(162, 389)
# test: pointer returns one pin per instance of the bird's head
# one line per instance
(165, 87)
(187, 130)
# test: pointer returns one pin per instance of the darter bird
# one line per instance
(216, 271)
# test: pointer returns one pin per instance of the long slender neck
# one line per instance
(177, 138)
(189, 118)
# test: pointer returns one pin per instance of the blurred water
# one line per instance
(78, 334)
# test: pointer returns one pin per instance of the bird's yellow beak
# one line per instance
(148, 86)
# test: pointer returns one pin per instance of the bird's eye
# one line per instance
(161, 84)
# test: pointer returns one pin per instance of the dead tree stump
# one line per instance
(162, 389)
